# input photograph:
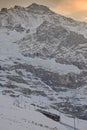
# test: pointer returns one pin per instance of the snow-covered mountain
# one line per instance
(33, 15)
(43, 61)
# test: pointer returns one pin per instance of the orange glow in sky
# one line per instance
(76, 9)
(73, 8)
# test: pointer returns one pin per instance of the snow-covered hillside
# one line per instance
(33, 15)
(20, 114)
(43, 61)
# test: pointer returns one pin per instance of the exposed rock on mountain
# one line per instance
(56, 42)
(44, 54)
(38, 9)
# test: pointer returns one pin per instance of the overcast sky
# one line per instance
(71, 8)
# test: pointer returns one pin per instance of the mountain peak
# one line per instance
(4, 10)
(18, 7)
(36, 8)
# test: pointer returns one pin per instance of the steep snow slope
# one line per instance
(24, 116)
(35, 76)
(64, 46)
(34, 15)
(56, 42)
(43, 58)
(9, 49)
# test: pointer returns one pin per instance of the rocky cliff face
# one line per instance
(57, 42)
(34, 15)
(43, 53)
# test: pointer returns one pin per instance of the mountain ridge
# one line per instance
(44, 55)
(35, 6)
(36, 9)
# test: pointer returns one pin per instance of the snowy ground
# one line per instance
(9, 49)
(23, 116)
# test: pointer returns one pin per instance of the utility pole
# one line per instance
(74, 123)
